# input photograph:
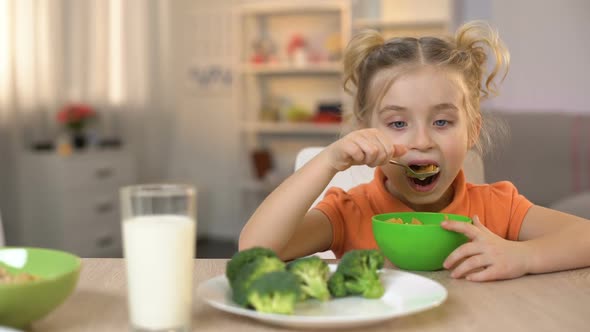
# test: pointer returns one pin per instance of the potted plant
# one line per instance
(75, 118)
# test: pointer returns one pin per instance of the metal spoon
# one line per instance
(412, 173)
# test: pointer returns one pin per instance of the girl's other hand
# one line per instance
(362, 147)
(487, 256)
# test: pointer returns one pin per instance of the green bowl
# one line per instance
(23, 303)
(417, 247)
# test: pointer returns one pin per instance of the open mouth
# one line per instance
(427, 168)
(426, 183)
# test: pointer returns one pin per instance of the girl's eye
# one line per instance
(441, 123)
(398, 124)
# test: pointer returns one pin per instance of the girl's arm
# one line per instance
(557, 241)
(549, 241)
(275, 224)
(282, 222)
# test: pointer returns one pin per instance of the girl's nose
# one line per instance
(421, 140)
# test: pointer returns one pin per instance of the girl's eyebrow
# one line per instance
(445, 106)
(437, 107)
(392, 108)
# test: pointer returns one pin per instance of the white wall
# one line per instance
(204, 132)
(550, 49)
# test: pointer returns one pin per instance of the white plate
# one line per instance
(405, 294)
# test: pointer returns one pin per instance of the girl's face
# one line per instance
(423, 109)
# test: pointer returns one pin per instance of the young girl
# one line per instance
(418, 101)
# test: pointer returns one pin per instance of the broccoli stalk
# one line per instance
(250, 273)
(357, 275)
(241, 258)
(313, 274)
(275, 292)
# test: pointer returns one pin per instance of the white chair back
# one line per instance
(355, 175)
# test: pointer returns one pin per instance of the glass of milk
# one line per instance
(159, 236)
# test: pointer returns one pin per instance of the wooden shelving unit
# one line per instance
(303, 84)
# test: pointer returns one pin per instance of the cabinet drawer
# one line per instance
(93, 228)
(91, 211)
(95, 243)
(80, 174)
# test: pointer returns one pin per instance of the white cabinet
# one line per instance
(72, 203)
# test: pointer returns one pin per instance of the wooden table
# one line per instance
(548, 302)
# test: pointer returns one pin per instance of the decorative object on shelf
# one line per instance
(297, 50)
(297, 113)
(75, 118)
(262, 162)
(264, 51)
(328, 113)
(64, 145)
(270, 110)
(333, 46)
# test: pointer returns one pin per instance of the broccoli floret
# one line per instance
(249, 273)
(336, 285)
(359, 271)
(275, 292)
(244, 257)
(313, 274)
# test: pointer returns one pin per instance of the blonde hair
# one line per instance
(368, 54)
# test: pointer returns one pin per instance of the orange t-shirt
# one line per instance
(499, 206)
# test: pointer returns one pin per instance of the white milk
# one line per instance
(159, 254)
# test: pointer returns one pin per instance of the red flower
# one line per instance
(75, 116)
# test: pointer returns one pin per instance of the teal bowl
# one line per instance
(417, 247)
(24, 302)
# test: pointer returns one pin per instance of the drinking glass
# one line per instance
(159, 237)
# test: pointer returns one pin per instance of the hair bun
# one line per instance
(472, 39)
(357, 50)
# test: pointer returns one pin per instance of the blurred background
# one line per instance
(98, 94)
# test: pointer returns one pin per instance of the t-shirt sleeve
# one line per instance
(334, 206)
(506, 196)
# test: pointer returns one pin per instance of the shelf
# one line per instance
(285, 68)
(292, 128)
(383, 24)
(295, 7)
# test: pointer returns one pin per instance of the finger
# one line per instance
(486, 274)
(468, 230)
(399, 150)
(353, 153)
(385, 151)
(370, 149)
(470, 264)
(464, 251)
(477, 223)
